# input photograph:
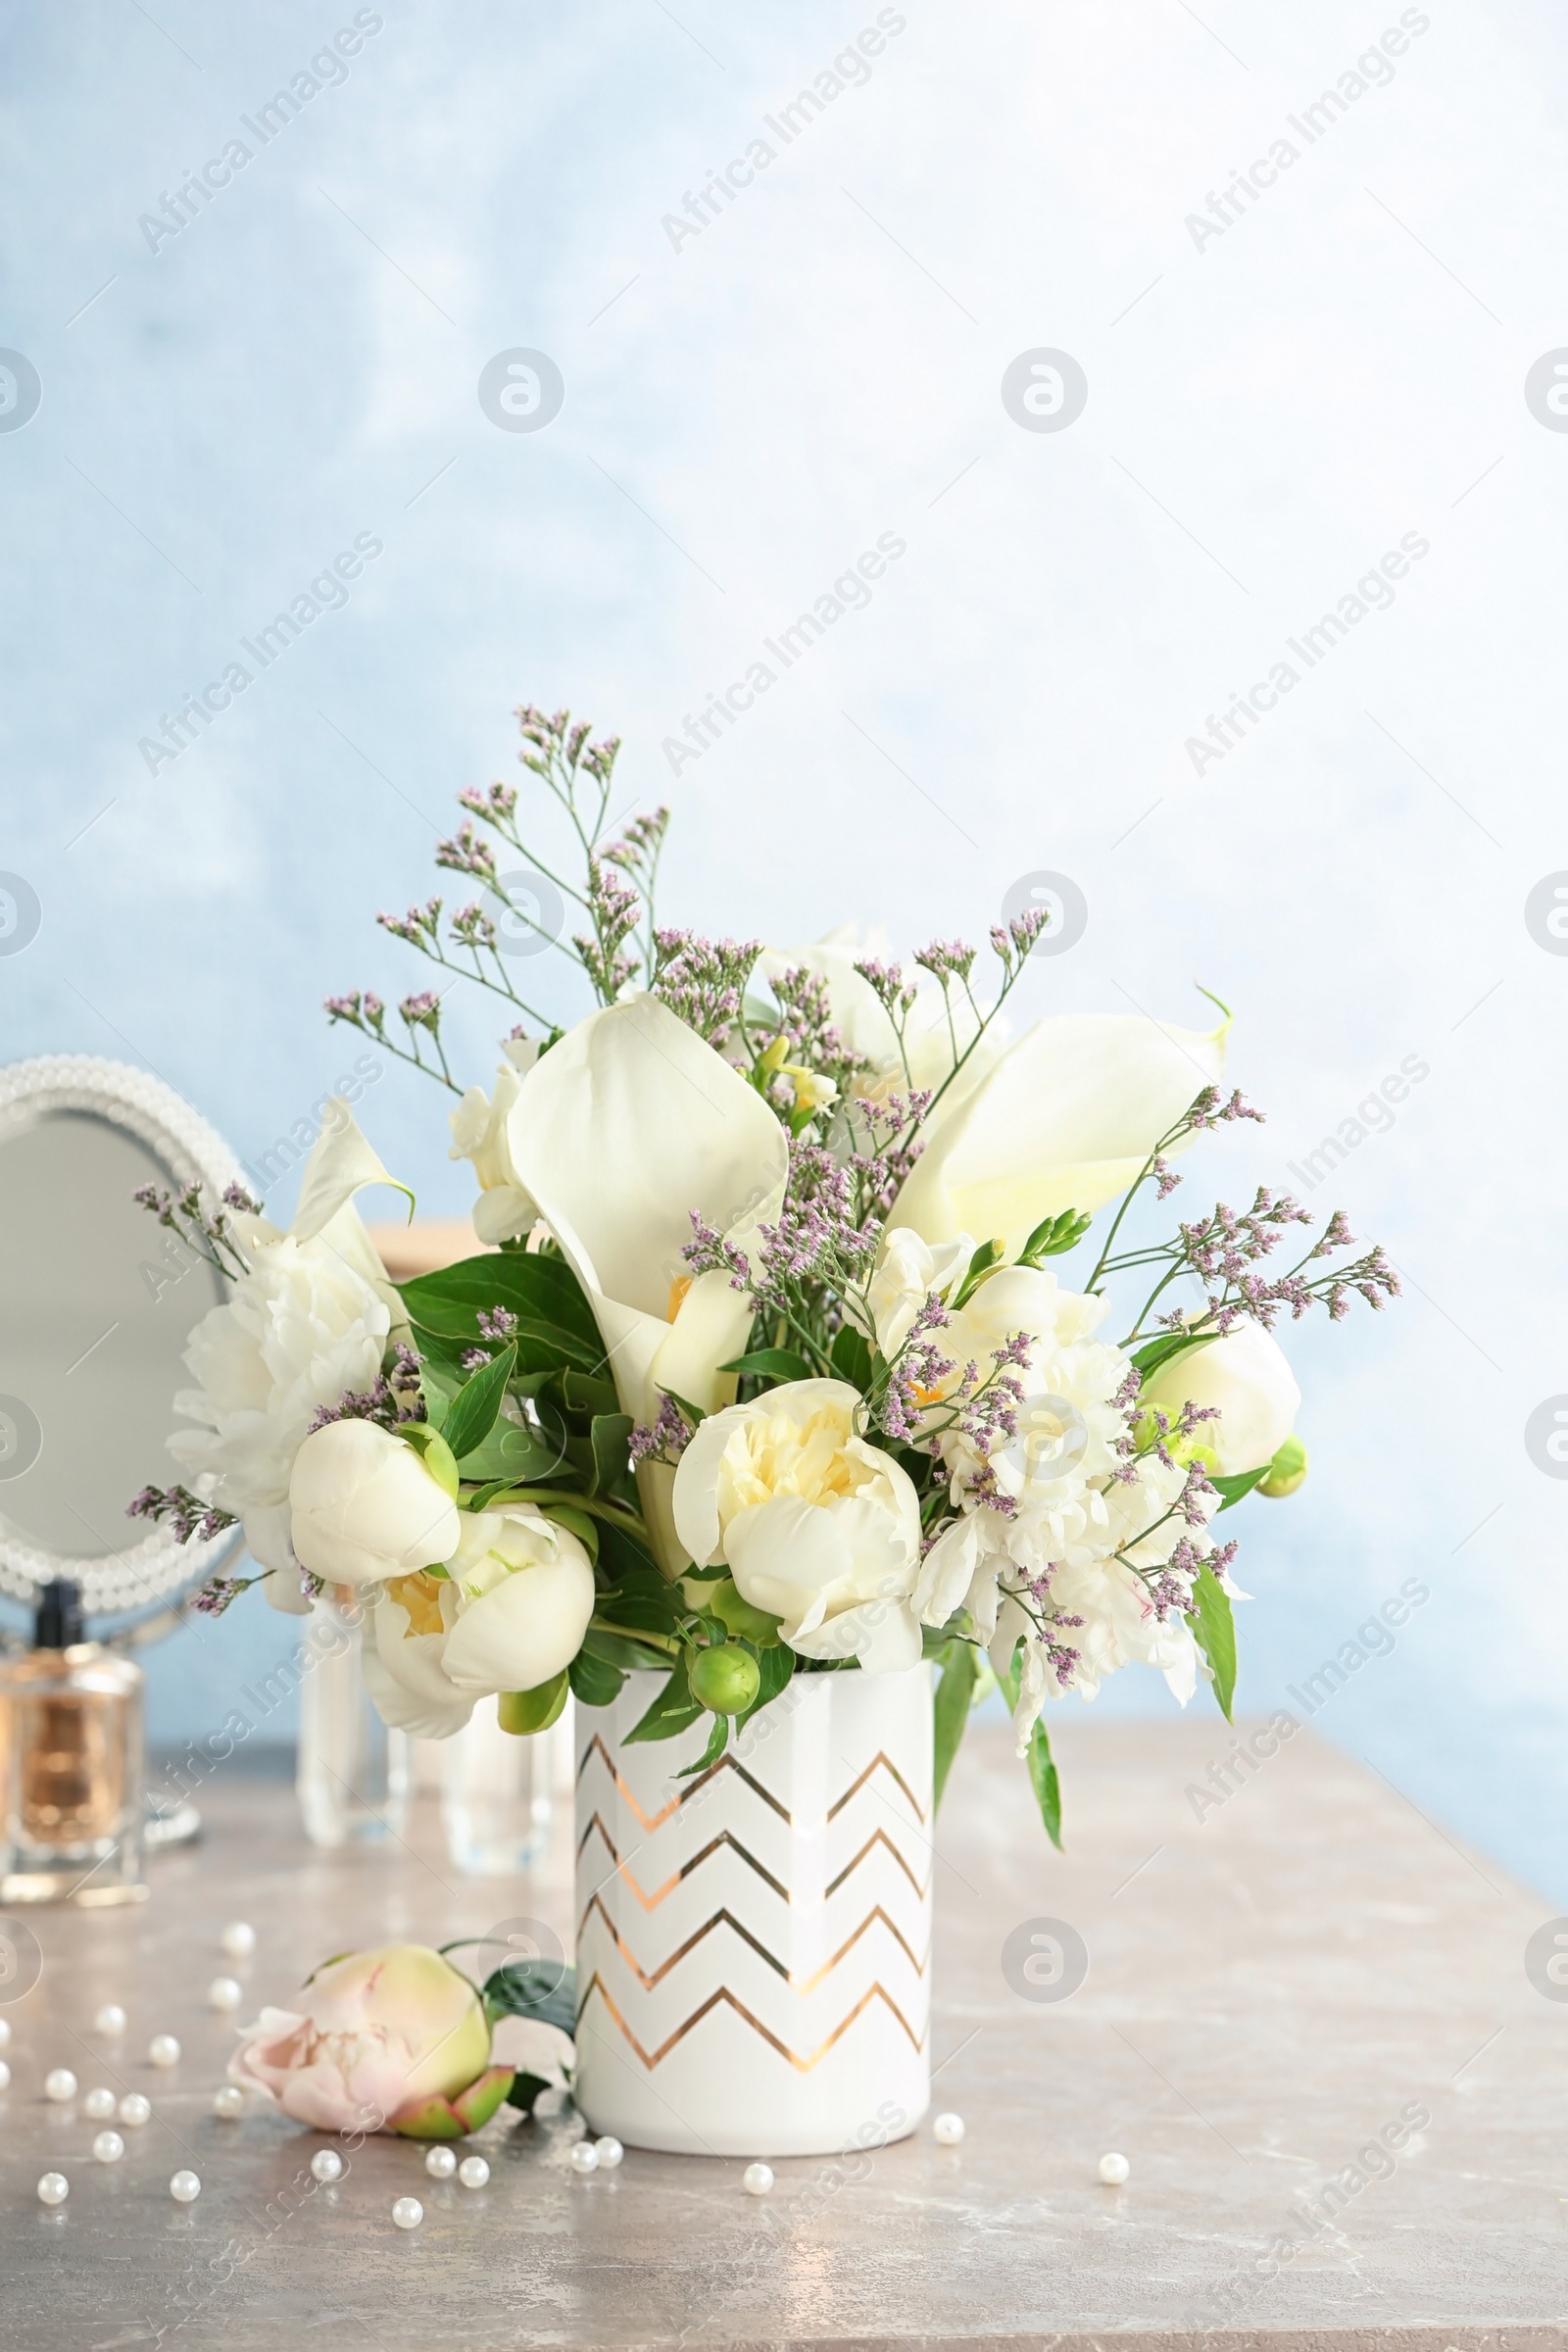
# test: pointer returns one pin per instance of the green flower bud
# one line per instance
(725, 1680)
(1286, 1471)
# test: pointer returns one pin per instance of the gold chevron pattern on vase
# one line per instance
(754, 1945)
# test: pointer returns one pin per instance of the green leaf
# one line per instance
(622, 1651)
(580, 1524)
(543, 1989)
(1214, 1631)
(537, 1289)
(694, 1414)
(951, 1708)
(775, 1665)
(585, 1393)
(1156, 1352)
(438, 1385)
(471, 1415)
(623, 1554)
(608, 1436)
(524, 1712)
(1046, 1787)
(770, 1363)
(525, 2092)
(1234, 1489)
(674, 1710)
(850, 1357)
(511, 1455)
(593, 1678)
(717, 1741)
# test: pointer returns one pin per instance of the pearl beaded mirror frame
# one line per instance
(97, 1305)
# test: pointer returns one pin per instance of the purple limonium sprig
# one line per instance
(665, 1440)
(186, 1515)
(394, 1399)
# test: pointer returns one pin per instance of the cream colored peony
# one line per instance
(362, 1507)
(816, 1527)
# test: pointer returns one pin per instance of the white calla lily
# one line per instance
(1064, 1120)
(619, 1132)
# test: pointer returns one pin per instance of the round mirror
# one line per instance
(98, 1303)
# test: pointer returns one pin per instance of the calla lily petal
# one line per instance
(342, 1162)
(1065, 1120)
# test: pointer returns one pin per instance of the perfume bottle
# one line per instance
(71, 1765)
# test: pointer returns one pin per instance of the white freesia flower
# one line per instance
(1065, 1119)
(908, 1271)
(309, 1319)
(1244, 1375)
(362, 1507)
(504, 1208)
(622, 1131)
(511, 1612)
(815, 1526)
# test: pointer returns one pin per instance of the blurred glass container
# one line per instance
(71, 1765)
(496, 1800)
(352, 1773)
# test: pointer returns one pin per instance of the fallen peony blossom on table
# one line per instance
(395, 2040)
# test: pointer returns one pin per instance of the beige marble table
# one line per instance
(1272, 1987)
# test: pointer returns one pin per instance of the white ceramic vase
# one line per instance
(754, 1943)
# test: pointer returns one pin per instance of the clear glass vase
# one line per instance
(496, 1801)
(352, 1773)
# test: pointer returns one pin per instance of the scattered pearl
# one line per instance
(109, 2147)
(5, 2076)
(473, 2172)
(163, 2049)
(60, 2085)
(134, 2110)
(224, 1994)
(110, 2022)
(99, 2106)
(440, 2163)
(228, 2102)
(238, 1939)
(327, 2164)
(611, 2152)
(407, 2213)
(757, 2180)
(5, 2032)
(947, 2129)
(53, 2189)
(584, 2156)
(184, 2187)
(1113, 2169)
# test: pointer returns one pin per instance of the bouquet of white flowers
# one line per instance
(765, 1368)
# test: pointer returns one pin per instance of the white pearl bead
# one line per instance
(440, 2162)
(99, 2106)
(584, 2157)
(135, 2109)
(5, 2076)
(163, 2049)
(228, 2102)
(224, 1994)
(327, 2164)
(1113, 2169)
(109, 2147)
(60, 2085)
(238, 1939)
(5, 2032)
(407, 2213)
(947, 2129)
(611, 2152)
(110, 2022)
(184, 2187)
(473, 2172)
(757, 2180)
(53, 2189)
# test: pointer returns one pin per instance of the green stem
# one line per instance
(631, 1633)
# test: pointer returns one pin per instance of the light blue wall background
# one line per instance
(1269, 410)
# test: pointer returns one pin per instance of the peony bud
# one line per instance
(364, 1506)
(1286, 1471)
(1246, 1376)
(392, 2040)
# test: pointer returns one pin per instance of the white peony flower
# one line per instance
(311, 1319)
(1246, 1375)
(364, 1506)
(816, 1527)
(510, 1613)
